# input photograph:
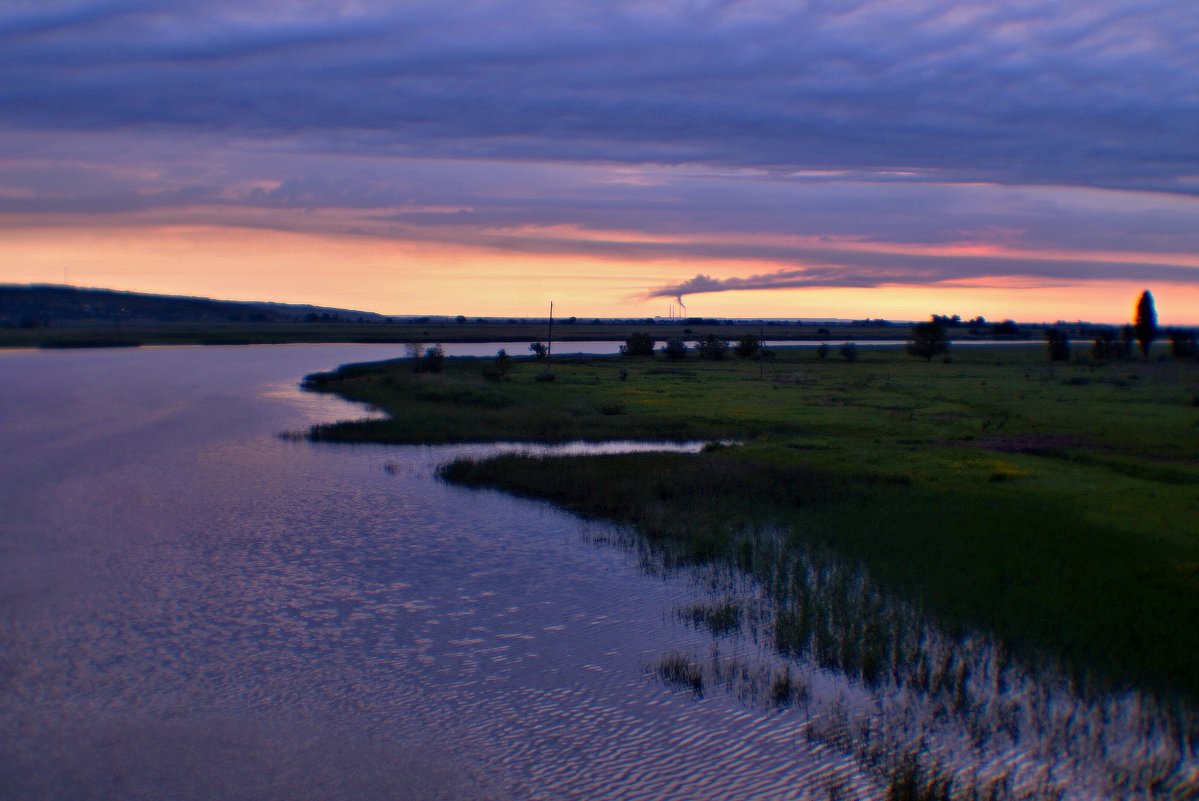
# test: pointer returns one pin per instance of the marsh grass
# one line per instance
(720, 619)
(1059, 515)
(890, 510)
(678, 670)
(1079, 596)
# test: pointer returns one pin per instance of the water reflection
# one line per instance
(920, 710)
(193, 608)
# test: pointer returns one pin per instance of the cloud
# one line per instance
(870, 270)
(1103, 93)
(818, 230)
(850, 144)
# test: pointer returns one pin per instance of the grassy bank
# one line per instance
(1057, 508)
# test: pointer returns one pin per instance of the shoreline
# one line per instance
(922, 472)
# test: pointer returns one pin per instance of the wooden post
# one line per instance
(549, 348)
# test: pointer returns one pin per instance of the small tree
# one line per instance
(748, 346)
(928, 340)
(503, 363)
(1007, 328)
(415, 351)
(849, 351)
(1058, 344)
(712, 347)
(539, 350)
(675, 348)
(1145, 322)
(433, 360)
(638, 344)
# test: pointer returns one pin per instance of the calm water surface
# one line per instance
(194, 607)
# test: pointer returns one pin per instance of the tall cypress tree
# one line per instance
(1145, 323)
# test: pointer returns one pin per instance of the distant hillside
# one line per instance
(39, 305)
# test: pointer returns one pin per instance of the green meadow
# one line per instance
(1055, 507)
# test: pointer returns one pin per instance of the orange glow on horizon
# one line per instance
(403, 277)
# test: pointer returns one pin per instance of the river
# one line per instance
(193, 606)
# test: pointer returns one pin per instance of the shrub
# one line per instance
(675, 348)
(539, 349)
(849, 352)
(638, 344)
(498, 370)
(415, 350)
(1007, 328)
(748, 346)
(433, 361)
(1058, 344)
(712, 347)
(425, 360)
(823, 350)
(928, 340)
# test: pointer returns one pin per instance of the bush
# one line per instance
(823, 350)
(712, 348)
(425, 360)
(849, 352)
(638, 344)
(414, 350)
(498, 370)
(928, 340)
(1058, 344)
(748, 346)
(675, 348)
(433, 361)
(539, 349)
(1007, 328)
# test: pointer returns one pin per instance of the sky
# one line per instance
(1025, 159)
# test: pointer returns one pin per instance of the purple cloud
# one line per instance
(821, 138)
(1102, 93)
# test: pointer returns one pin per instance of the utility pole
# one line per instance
(549, 348)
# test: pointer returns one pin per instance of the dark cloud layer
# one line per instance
(856, 143)
(1097, 93)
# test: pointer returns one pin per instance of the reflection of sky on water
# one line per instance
(196, 608)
